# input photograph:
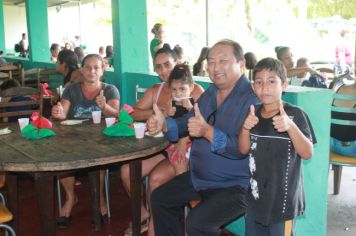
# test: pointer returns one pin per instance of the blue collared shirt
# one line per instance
(218, 164)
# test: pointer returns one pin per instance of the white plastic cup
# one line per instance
(109, 121)
(23, 122)
(140, 129)
(96, 117)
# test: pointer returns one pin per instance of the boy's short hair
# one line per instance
(271, 64)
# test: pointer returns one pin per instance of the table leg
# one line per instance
(135, 186)
(12, 199)
(45, 195)
(95, 200)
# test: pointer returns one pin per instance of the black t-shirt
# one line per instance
(180, 110)
(276, 184)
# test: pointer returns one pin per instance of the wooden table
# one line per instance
(74, 147)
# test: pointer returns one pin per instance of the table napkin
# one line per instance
(31, 132)
(123, 128)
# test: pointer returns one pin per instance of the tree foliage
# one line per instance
(327, 8)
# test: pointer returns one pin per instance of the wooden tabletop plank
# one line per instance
(73, 147)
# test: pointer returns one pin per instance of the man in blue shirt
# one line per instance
(219, 174)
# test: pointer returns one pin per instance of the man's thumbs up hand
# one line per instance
(197, 125)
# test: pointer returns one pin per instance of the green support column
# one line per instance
(129, 22)
(37, 26)
(2, 28)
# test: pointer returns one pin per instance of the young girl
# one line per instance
(278, 136)
(181, 84)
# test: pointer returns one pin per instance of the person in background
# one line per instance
(2, 60)
(277, 136)
(218, 174)
(302, 63)
(285, 55)
(200, 67)
(54, 49)
(78, 102)
(180, 54)
(67, 65)
(158, 168)
(68, 46)
(80, 53)
(101, 51)
(343, 55)
(24, 45)
(109, 57)
(251, 61)
(343, 138)
(158, 40)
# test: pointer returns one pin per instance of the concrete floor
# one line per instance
(342, 207)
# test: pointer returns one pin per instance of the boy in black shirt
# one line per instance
(278, 136)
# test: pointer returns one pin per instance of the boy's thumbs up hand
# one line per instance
(197, 125)
(251, 119)
(281, 122)
(156, 121)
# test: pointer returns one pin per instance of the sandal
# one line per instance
(63, 222)
(144, 228)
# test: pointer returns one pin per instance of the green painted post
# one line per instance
(317, 104)
(2, 28)
(129, 22)
(37, 26)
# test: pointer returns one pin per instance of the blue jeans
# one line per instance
(255, 229)
(217, 207)
(343, 148)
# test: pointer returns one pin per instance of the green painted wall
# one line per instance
(37, 25)
(2, 28)
(316, 103)
(130, 40)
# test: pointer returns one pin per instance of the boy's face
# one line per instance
(180, 89)
(269, 87)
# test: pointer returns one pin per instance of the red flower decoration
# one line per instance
(40, 122)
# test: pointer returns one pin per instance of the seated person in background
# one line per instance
(54, 49)
(286, 57)
(101, 51)
(303, 75)
(343, 138)
(158, 168)
(67, 65)
(200, 67)
(251, 61)
(109, 57)
(78, 102)
(11, 83)
(68, 46)
(80, 53)
(2, 60)
(180, 54)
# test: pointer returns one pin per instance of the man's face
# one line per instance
(164, 64)
(224, 70)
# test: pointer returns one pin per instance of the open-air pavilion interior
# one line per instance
(326, 214)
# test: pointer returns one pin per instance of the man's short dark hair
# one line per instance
(271, 64)
(238, 51)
